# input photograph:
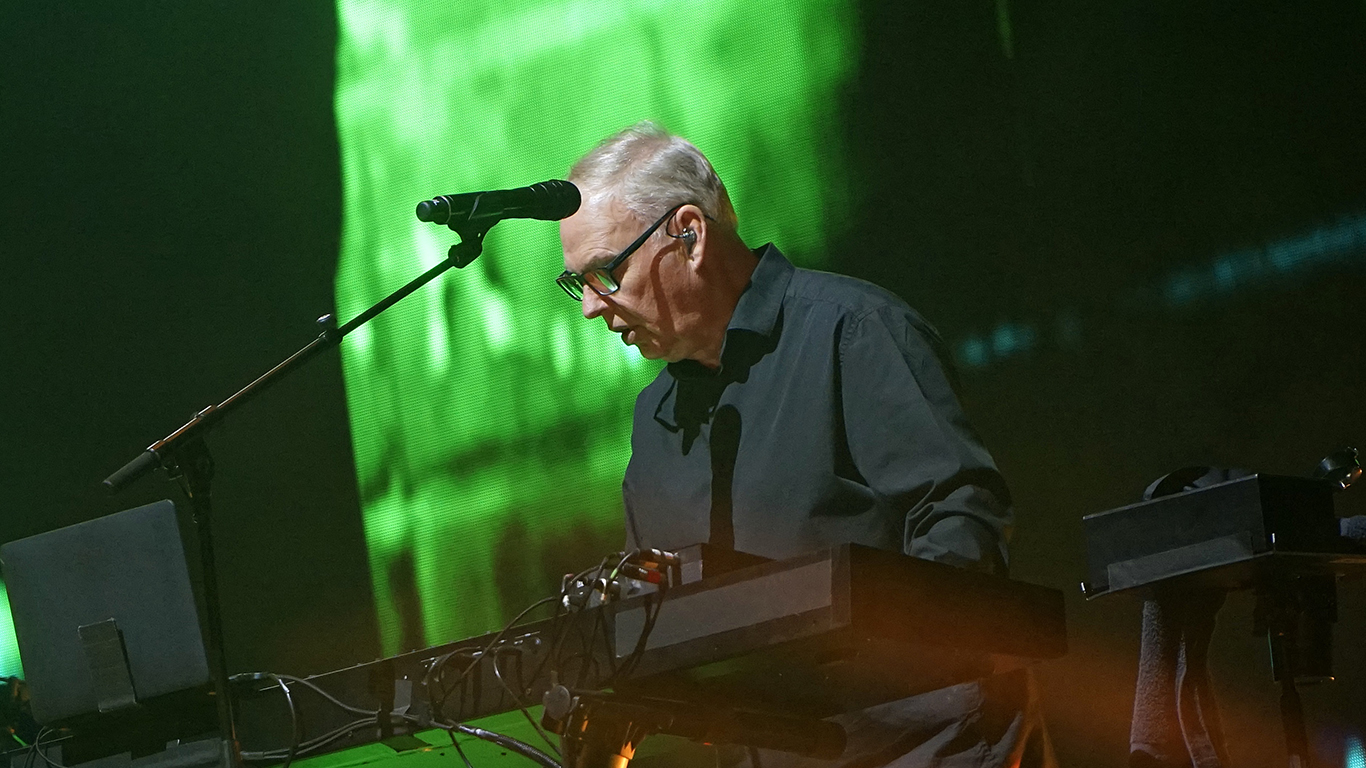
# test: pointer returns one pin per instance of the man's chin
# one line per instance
(650, 351)
(646, 345)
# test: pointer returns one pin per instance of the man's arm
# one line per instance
(912, 444)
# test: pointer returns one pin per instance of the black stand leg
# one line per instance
(1298, 611)
(1292, 718)
(193, 467)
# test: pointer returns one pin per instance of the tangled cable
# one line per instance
(589, 588)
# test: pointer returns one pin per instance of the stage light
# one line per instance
(1354, 756)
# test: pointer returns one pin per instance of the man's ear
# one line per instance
(692, 230)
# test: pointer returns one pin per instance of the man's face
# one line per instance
(644, 310)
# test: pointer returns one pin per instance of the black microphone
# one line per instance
(548, 201)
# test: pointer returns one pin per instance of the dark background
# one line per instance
(171, 203)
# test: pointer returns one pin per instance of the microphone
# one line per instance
(548, 201)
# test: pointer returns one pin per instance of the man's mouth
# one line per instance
(628, 333)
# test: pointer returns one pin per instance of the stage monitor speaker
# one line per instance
(104, 613)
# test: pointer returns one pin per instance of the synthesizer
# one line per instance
(1229, 535)
(828, 632)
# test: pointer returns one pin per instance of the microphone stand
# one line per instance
(185, 457)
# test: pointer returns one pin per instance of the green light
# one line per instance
(491, 422)
(10, 665)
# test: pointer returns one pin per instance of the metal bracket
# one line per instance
(108, 660)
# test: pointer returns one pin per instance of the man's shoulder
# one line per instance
(862, 309)
(849, 298)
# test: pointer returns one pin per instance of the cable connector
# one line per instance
(640, 573)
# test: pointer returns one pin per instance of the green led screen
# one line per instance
(491, 422)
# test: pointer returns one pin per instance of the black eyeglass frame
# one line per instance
(573, 283)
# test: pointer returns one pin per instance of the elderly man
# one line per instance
(798, 409)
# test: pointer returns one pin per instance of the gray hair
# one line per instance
(649, 170)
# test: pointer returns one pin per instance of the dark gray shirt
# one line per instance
(831, 420)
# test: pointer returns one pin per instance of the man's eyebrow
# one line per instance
(598, 262)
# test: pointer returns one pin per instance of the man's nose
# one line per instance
(593, 304)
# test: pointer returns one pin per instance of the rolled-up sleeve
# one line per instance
(911, 443)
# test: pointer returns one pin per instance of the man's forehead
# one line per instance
(590, 237)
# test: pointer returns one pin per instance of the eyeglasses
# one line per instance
(600, 279)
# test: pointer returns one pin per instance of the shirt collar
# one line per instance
(762, 301)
